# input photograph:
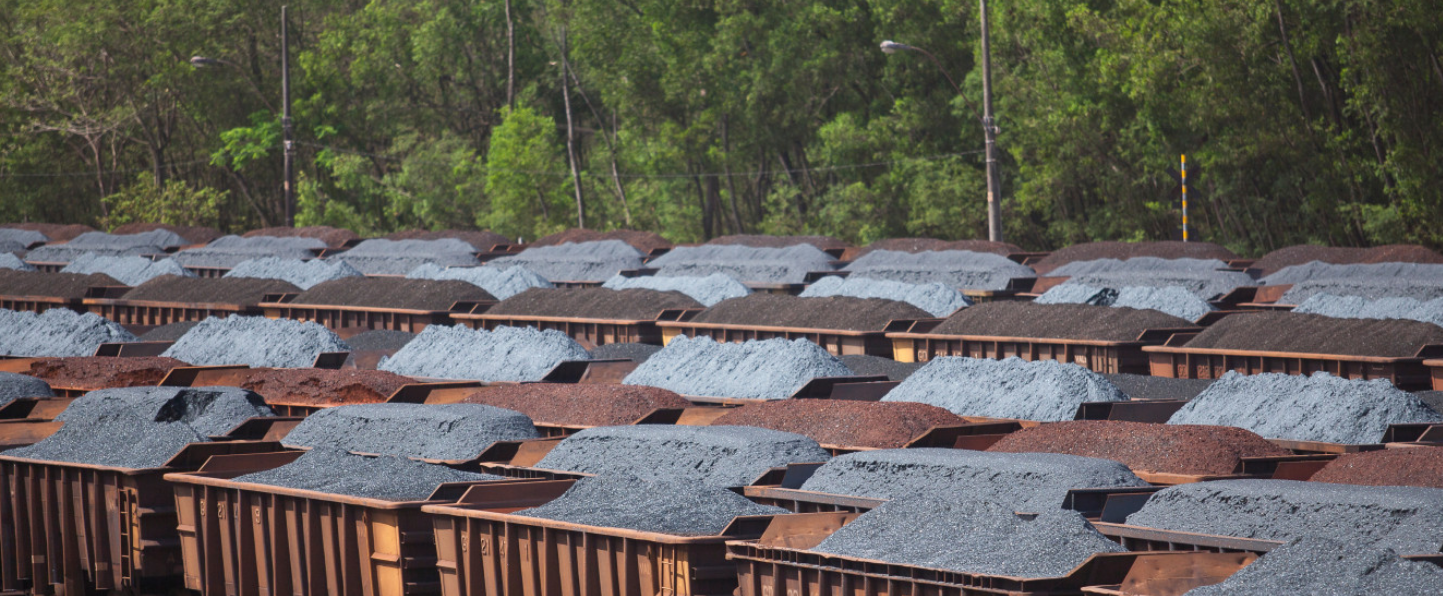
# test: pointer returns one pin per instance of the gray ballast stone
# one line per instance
(1406, 519)
(1207, 285)
(10, 261)
(385, 477)
(57, 332)
(767, 369)
(1076, 293)
(14, 385)
(1322, 566)
(1042, 390)
(937, 299)
(576, 261)
(1320, 407)
(12, 247)
(1365, 287)
(143, 427)
(255, 341)
(109, 245)
(429, 431)
(630, 351)
(229, 251)
(501, 282)
(1149, 387)
(1358, 307)
(958, 532)
(675, 507)
(1136, 264)
(862, 364)
(952, 268)
(299, 273)
(502, 354)
(713, 455)
(24, 238)
(1176, 301)
(1028, 482)
(131, 271)
(743, 263)
(380, 256)
(707, 290)
(1318, 270)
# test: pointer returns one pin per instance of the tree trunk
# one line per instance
(571, 134)
(731, 185)
(510, 58)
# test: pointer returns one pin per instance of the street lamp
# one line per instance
(989, 129)
(288, 144)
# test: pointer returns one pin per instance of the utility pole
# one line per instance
(989, 128)
(286, 127)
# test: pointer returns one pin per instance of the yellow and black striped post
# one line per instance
(1184, 198)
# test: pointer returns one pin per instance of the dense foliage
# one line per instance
(1313, 120)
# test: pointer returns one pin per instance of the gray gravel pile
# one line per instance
(1043, 390)
(862, 364)
(142, 427)
(1076, 293)
(171, 332)
(255, 341)
(722, 456)
(14, 385)
(1407, 519)
(1318, 270)
(228, 251)
(952, 268)
(937, 299)
(744, 263)
(380, 339)
(1320, 407)
(379, 256)
(386, 477)
(10, 261)
(767, 369)
(1332, 567)
(579, 261)
(11, 247)
(961, 533)
(57, 332)
(131, 271)
(637, 352)
(299, 273)
(25, 238)
(1366, 287)
(501, 282)
(1149, 387)
(675, 507)
(1136, 264)
(108, 245)
(707, 290)
(1358, 307)
(1207, 285)
(1029, 482)
(505, 354)
(1173, 300)
(429, 431)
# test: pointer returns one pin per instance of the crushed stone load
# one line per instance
(952, 268)
(104, 372)
(936, 299)
(1404, 518)
(1168, 249)
(1042, 390)
(13, 386)
(56, 332)
(10, 261)
(1357, 307)
(1329, 272)
(392, 292)
(1057, 321)
(626, 351)
(208, 290)
(302, 274)
(1327, 566)
(646, 242)
(481, 240)
(747, 264)
(131, 271)
(959, 533)
(441, 431)
(504, 354)
(844, 423)
(379, 256)
(1172, 300)
(1149, 387)
(107, 245)
(915, 245)
(593, 303)
(1136, 264)
(1372, 288)
(766, 241)
(864, 365)
(1415, 466)
(169, 332)
(1205, 285)
(321, 387)
(142, 427)
(255, 341)
(1320, 407)
(329, 236)
(767, 369)
(228, 251)
(11, 247)
(191, 234)
(724, 456)
(501, 282)
(1274, 331)
(1145, 447)
(54, 232)
(56, 285)
(1302, 254)
(25, 238)
(675, 507)
(579, 405)
(834, 312)
(379, 340)
(1027, 482)
(384, 477)
(575, 262)
(707, 290)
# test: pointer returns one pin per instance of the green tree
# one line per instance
(526, 177)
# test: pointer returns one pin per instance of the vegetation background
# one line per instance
(1314, 120)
